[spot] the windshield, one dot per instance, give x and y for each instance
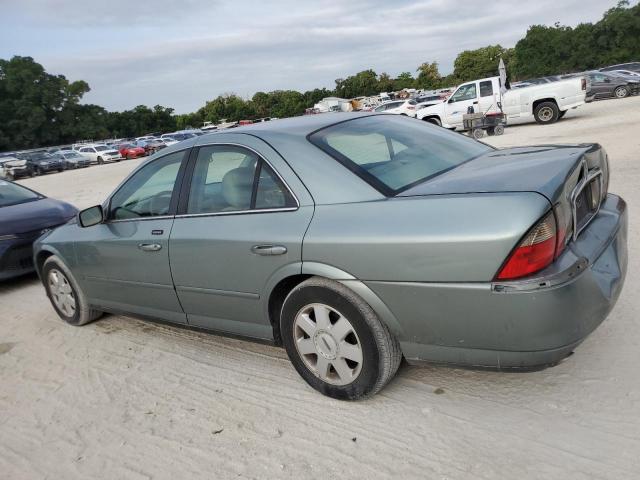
(71, 155)
(393, 153)
(12, 194)
(101, 148)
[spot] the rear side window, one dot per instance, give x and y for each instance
(393, 153)
(228, 178)
(486, 89)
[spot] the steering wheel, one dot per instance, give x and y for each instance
(160, 202)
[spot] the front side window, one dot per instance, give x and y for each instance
(148, 192)
(224, 180)
(465, 92)
(392, 153)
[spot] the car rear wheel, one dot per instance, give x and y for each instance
(546, 112)
(100, 161)
(336, 341)
(621, 92)
(65, 295)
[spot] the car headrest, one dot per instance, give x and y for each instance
(236, 187)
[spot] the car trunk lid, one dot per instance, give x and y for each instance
(574, 178)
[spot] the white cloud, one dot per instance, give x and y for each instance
(183, 53)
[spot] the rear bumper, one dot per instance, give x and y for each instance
(522, 324)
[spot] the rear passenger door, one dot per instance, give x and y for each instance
(242, 217)
(600, 86)
(487, 103)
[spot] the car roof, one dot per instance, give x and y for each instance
(299, 126)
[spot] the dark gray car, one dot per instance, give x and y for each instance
(604, 85)
(355, 240)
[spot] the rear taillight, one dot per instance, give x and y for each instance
(535, 252)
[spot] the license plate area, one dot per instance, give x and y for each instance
(586, 199)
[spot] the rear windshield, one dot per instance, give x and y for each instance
(12, 194)
(394, 153)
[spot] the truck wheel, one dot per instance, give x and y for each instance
(433, 120)
(336, 341)
(621, 92)
(491, 131)
(478, 133)
(546, 112)
(498, 130)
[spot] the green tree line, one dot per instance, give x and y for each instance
(38, 108)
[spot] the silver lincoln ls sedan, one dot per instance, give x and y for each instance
(355, 240)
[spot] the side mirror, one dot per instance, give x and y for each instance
(450, 100)
(91, 216)
(607, 80)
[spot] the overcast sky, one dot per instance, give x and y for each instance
(180, 53)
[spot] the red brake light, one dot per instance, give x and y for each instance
(535, 252)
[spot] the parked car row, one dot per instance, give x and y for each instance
(83, 154)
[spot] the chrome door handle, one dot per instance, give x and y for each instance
(269, 249)
(149, 247)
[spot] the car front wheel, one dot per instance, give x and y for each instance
(66, 296)
(336, 341)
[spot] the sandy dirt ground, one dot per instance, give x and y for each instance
(127, 399)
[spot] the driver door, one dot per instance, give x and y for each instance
(466, 96)
(124, 261)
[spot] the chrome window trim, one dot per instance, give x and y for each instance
(262, 157)
(238, 212)
(141, 219)
(586, 180)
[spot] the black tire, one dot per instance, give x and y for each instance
(477, 133)
(83, 313)
(491, 131)
(621, 92)
(498, 130)
(10, 177)
(562, 114)
(546, 113)
(381, 353)
(36, 172)
(434, 120)
(100, 161)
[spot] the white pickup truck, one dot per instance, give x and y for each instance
(545, 103)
